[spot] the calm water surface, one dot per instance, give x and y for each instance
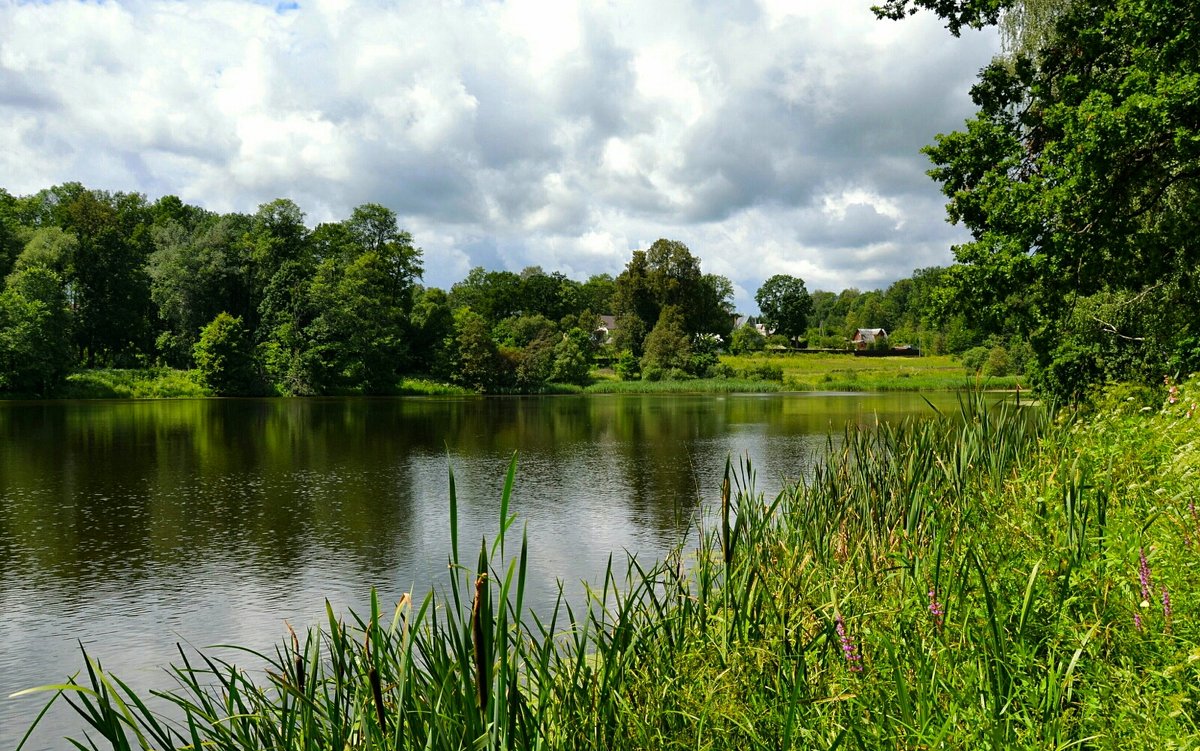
(134, 526)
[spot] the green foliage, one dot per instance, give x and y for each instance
(667, 345)
(785, 305)
(974, 359)
(1077, 179)
(35, 331)
(571, 362)
(667, 275)
(476, 359)
(143, 383)
(225, 358)
(747, 339)
(627, 367)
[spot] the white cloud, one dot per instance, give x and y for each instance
(771, 136)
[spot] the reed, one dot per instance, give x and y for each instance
(966, 581)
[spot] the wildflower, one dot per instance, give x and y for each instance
(849, 649)
(1144, 574)
(1137, 622)
(935, 609)
(1166, 603)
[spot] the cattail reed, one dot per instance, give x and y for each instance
(727, 541)
(481, 657)
(376, 686)
(297, 660)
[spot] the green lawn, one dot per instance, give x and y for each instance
(838, 372)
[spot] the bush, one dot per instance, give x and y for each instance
(764, 372)
(999, 363)
(627, 366)
(225, 358)
(747, 339)
(974, 359)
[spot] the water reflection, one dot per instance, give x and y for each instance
(133, 525)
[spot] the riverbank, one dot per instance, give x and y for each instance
(762, 373)
(1007, 582)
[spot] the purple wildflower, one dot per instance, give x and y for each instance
(849, 650)
(1137, 622)
(1166, 603)
(935, 609)
(1144, 574)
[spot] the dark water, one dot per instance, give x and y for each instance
(133, 526)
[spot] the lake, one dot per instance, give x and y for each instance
(131, 526)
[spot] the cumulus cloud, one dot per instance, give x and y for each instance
(770, 136)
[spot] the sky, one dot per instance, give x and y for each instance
(771, 137)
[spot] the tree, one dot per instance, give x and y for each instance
(957, 13)
(571, 361)
(667, 346)
(668, 275)
(476, 360)
(35, 333)
(431, 324)
(107, 279)
(282, 255)
(194, 275)
(225, 358)
(785, 305)
(1078, 180)
(747, 339)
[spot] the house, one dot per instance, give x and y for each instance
(603, 332)
(740, 321)
(867, 338)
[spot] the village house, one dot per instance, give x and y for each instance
(866, 338)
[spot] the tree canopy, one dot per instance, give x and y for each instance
(1078, 180)
(785, 305)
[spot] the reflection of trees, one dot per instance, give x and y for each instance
(95, 489)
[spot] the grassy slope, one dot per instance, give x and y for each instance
(948, 585)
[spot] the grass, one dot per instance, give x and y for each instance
(998, 578)
(696, 386)
(425, 387)
(147, 383)
(844, 372)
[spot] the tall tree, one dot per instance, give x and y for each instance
(785, 305)
(1078, 179)
(35, 332)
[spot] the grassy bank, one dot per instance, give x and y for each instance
(696, 386)
(990, 580)
(845, 372)
(146, 383)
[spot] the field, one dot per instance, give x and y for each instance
(844, 372)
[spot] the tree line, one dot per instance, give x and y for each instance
(261, 303)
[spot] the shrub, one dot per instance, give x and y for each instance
(627, 366)
(747, 339)
(974, 359)
(225, 358)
